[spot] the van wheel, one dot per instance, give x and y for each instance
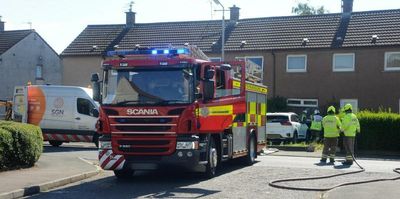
(295, 137)
(55, 143)
(252, 151)
(96, 140)
(212, 159)
(124, 174)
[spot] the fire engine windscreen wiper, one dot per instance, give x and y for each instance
(134, 102)
(170, 101)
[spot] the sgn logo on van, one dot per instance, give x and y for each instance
(142, 111)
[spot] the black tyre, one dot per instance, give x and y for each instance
(96, 140)
(252, 151)
(212, 159)
(124, 174)
(55, 143)
(295, 138)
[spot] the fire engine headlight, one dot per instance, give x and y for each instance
(105, 145)
(187, 145)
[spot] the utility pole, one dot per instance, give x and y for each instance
(223, 30)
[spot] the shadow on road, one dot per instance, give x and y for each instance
(155, 184)
(68, 148)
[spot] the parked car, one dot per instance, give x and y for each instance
(285, 127)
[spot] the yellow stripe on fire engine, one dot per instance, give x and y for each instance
(251, 87)
(253, 107)
(216, 110)
(263, 108)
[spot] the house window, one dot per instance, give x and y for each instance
(343, 62)
(302, 102)
(215, 59)
(353, 102)
(254, 68)
(296, 63)
(392, 61)
(39, 72)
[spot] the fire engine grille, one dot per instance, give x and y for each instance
(144, 135)
(143, 120)
(146, 146)
(143, 128)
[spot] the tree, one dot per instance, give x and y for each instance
(305, 9)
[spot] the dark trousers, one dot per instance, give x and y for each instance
(348, 143)
(329, 148)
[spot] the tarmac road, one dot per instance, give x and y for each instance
(234, 181)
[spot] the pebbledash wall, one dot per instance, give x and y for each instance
(30, 60)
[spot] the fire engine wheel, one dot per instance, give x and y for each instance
(212, 159)
(55, 143)
(252, 152)
(124, 174)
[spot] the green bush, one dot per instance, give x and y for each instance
(20, 145)
(379, 131)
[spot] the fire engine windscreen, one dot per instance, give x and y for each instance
(148, 86)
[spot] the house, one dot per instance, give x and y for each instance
(313, 61)
(26, 57)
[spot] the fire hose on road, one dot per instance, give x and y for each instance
(275, 184)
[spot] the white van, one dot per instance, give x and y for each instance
(64, 113)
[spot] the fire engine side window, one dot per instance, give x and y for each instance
(84, 106)
(221, 90)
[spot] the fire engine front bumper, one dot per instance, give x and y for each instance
(188, 159)
(190, 153)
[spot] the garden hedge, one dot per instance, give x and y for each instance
(20, 145)
(379, 131)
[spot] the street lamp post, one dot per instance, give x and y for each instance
(223, 30)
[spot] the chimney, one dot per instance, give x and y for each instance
(347, 6)
(1, 25)
(130, 17)
(234, 13)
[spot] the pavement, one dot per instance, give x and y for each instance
(53, 171)
(49, 172)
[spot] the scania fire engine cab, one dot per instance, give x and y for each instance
(173, 108)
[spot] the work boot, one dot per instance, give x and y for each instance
(322, 161)
(331, 161)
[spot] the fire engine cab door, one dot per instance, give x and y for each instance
(85, 122)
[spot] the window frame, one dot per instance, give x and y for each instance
(386, 59)
(39, 66)
(296, 70)
(352, 69)
(302, 104)
(219, 59)
(343, 102)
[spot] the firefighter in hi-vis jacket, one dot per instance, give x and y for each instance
(331, 125)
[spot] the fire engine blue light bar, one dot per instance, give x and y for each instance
(148, 52)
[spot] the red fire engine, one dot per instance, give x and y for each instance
(172, 107)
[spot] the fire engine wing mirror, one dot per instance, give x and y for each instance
(209, 74)
(208, 90)
(225, 67)
(96, 87)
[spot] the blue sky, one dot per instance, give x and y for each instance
(61, 21)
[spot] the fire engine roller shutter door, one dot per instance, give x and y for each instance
(261, 117)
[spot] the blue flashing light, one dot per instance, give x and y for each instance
(181, 51)
(148, 51)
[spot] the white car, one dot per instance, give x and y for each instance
(285, 127)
